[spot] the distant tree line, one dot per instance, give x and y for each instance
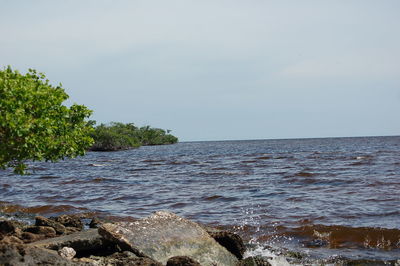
(119, 136)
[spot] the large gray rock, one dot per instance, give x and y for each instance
(164, 235)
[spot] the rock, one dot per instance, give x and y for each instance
(143, 262)
(67, 252)
(70, 230)
(69, 221)
(95, 223)
(42, 230)
(28, 237)
(7, 227)
(10, 227)
(21, 255)
(164, 235)
(124, 258)
(80, 241)
(231, 241)
(182, 261)
(8, 240)
(42, 221)
(254, 261)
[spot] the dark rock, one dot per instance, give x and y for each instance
(143, 262)
(21, 255)
(122, 259)
(231, 241)
(80, 241)
(316, 243)
(42, 230)
(164, 235)
(42, 221)
(10, 227)
(69, 221)
(254, 261)
(182, 261)
(95, 223)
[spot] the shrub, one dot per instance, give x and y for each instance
(34, 123)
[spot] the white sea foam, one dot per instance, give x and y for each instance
(273, 259)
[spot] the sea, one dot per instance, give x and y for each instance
(294, 201)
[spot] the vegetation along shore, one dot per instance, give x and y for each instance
(36, 125)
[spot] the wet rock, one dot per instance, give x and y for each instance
(69, 221)
(182, 261)
(315, 243)
(80, 241)
(164, 235)
(42, 230)
(43, 221)
(254, 261)
(28, 237)
(95, 223)
(10, 227)
(67, 252)
(231, 241)
(21, 255)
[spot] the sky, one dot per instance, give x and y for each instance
(218, 69)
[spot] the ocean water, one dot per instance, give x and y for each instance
(319, 199)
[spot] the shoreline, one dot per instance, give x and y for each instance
(94, 243)
(24, 230)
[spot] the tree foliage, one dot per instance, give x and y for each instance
(120, 136)
(34, 123)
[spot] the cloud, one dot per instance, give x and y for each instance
(217, 60)
(373, 65)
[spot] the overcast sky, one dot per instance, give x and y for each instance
(216, 69)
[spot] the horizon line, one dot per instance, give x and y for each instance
(291, 138)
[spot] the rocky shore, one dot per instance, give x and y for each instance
(160, 239)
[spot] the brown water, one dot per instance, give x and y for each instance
(327, 198)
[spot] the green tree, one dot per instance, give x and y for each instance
(119, 136)
(115, 136)
(34, 123)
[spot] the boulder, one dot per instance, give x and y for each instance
(10, 227)
(95, 223)
(28, 237)
(164, 235)
(43, 221)
(69, 221)
(231, 241)
(42, 230)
